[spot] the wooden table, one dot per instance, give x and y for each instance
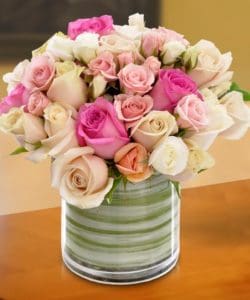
(214, 263)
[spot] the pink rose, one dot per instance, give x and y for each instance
(39, 73)
(37, 102)
(125, 58)
(16, 98)
(136, 79)
(153, 64)
(101, 25)
(132, 161)
(98, 127)
(192, 112)
(132, 108)
(151, 43)
(104, 64)
(170, 35)
(172, 85)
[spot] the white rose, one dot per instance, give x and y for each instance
(151, 128)
(240, 113)
(198, 160)
(209, 96)
(27, 127)
(117, 44)
(212, 66)
(85, 47)
(60, 127)
(137, 20)
(219, 121)
(222, 88)
(14, 78)
(60, 47)
(171, 50)
(170, 156)
(81, 177)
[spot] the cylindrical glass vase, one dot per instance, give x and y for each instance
(133, 239)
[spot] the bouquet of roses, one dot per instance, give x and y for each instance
(108, 103)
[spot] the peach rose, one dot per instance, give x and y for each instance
(136, 79)
(132, 161)
(130, 108)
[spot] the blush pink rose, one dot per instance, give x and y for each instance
(169, 35)
(101, 25)
(39, 73)
(151, 43)
(131, 108)
(104, 64)
(192, 113)
(37, 102)
(136, 79)
(125, 58)
(98, 127)
(132, 161)
(16, 98)
(171, 86)
(153, 64)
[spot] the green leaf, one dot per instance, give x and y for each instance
(18, 151)
(109, 196)
(234, 87)
(181, 132)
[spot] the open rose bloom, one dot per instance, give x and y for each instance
(107, 103)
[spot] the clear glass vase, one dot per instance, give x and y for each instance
(131, 240)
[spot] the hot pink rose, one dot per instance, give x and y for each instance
(39, 73)
(136, 79)
(16, 98)
(125, 58)
(192, 112)
(105, 65)
(101, 25)
(151, 43)
(98, 127)
(132, 108)
(172, 85)
(170, 35)
(153, 64)
(37, 102)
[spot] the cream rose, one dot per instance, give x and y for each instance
(69, 88)
(151, 128)
(240, 113)
(14, 78)
(60, 47)
(212, 66)
(27, 127)
(169, 156)
(137, 20)
(85, 46)
(198, 160)
(81, 177)
(118, 44)
(98, 86)
(60, 127)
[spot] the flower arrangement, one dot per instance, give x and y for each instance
(108, 103)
